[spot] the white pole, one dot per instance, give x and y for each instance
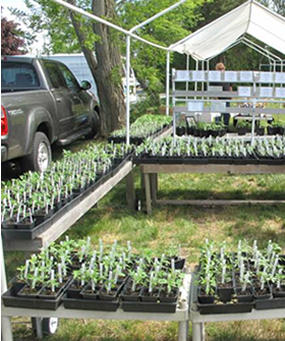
(187, 68)
(6, 328)
(128, 41)
(107, 23)
(167, 81)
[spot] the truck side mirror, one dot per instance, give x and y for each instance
(85, 85)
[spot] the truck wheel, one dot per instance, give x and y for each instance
(50, 325)
(95, 125)
(40, 157)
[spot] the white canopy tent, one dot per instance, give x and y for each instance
(250, 18)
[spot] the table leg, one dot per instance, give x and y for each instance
(39, 327)
(6, 329)
(130, 191)
(153, 186)
(198, 332)
(147, 193)
(183, 331)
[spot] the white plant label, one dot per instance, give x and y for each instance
(280, 92)
(266, 92)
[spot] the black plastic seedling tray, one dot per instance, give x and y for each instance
(10, 299)
(149, 307)
(84, 304)
(233, 308)
(273, 303)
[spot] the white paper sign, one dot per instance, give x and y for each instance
(215, 76)
(198, 76)
(280, 92)
(246, 76)
(230, 76)
(195, 106)
(280, 77)
(244, 91)
(182, 76)
(218, 107)
(266, 92)
(265, 77)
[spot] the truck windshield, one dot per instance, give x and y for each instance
(18, 76)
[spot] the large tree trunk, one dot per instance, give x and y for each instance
(104, 67)
(108, 72)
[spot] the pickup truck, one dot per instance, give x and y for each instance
(42, 104)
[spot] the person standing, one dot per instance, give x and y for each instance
(226, 87)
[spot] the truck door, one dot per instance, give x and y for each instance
(64, 102)
(81, 99)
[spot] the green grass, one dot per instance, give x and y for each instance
(188, 226)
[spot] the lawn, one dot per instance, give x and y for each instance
(188, 226)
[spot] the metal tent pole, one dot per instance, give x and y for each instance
(128, 42)
(167, 81)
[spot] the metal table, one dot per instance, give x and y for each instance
(181, 315)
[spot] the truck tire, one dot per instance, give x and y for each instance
(95, 125)
(40, 157)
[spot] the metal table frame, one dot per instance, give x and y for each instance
(150, 179)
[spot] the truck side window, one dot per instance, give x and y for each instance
(54, 75)
(18, 75)
(70, 80)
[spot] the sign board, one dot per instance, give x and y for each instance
(280, 77)
(246, 76)
(198, 76)
(182, 76)
(244, 91)
(218, 107)
(265, 92)
(230, 76)
(215, 76)
(265, 77)
(280, 92)
(195, 106)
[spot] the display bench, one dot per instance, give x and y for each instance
(150, 175)
(263, 91)
(198, 320)
(67, 220)
(181, 315)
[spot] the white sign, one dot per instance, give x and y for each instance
(246, 76)
(280, 92)
(280, 77)
(215, 76)
(265, 77)
(230, 76)
(218, 107)
(182, 76)
(195, 106)
(265, 92)
(198, 76)
(244, 91)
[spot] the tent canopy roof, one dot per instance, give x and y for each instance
(250, 18)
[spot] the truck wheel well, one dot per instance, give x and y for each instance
(43, 127)
(97, 109)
